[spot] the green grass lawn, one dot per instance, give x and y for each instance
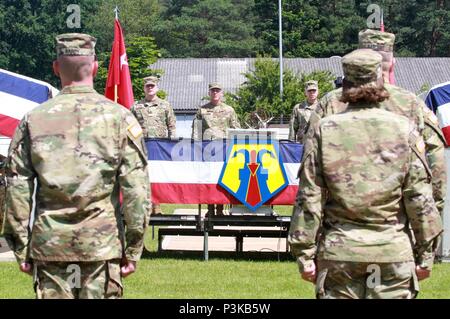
(217, 278)
(170, 275)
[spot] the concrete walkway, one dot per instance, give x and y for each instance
(195, 243)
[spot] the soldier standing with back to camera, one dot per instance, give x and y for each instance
(400, 102)
(371, 166)
(80, 150)
(211, 122)
(156, 118)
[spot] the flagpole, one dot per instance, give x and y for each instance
(280, 45)
(116, 11)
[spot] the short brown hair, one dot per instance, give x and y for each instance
(372, 93)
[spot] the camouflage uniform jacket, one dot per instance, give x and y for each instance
(156, 118)
(211, 122)
(300, 120)
(80, 149)
(373, 170)
(407, 104)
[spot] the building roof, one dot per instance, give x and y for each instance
(186, 80)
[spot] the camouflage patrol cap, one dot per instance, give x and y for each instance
(311, 85)
(75, 44)
(151, 80)
(215, 85)
(376, 40)
(362, 66)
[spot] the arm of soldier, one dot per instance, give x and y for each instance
(321, 106)
(435, 154)
(293, 124)
(171, 122)
(234, 121)
(135, 186)
(133, 109)
(307, 215)
(197, 126)
(20, 179)
(419, 204)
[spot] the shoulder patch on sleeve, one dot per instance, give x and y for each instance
(420, 145)
(135, 130)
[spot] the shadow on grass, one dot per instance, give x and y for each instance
(198, 255)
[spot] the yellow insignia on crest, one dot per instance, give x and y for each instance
(135, 130)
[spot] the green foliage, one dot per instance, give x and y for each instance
(422, 27)
(215, 28)
(424, 89)
(260, 94)
(27, 32)
(137, 18)
(207, 28)
(310, 28)
(141, 52)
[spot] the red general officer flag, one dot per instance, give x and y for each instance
(118, 85)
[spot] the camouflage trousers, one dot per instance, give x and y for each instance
(353, 280)
(78, 280)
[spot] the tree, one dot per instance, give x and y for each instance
(137, 17)
(311, 28)
(27, 34)
(260, 93)
(141, 52)
(207, 28)
(422, 27)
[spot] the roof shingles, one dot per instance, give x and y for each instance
(186, 80)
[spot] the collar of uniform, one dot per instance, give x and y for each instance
(155, 101)
(363, 105)
(310, 106)
(77, 89)
(211, 106)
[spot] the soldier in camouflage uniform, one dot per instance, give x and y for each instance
(372, 168)
(2, 190)
(80, 149)
(211, 122)
(302, 112)
(156, 118)
(400, 102)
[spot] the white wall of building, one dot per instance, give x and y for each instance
(184, 125)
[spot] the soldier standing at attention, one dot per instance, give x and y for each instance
(372, 167)
(302, 112)
(400, 102)
(211, 122)
(156, 118)
(79, 149)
